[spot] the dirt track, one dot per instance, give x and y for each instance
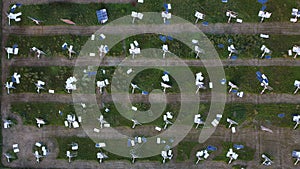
(171, 98)
(115, 61)
(218, 28)
(279, 144)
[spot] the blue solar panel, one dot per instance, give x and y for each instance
(13, 79)
(91, 74)
(14, 7)
(170, 38)
(282, 115)
(144, 139)
(258, 76)
(144, 93)
(211, 148)
(223, 81)
(162, 38)
(262, 1)
(102, 15)
(166, 7)
(238, 147)
(205, 23)
(12, 10)
(106, 48)
(128, 143)
(234, 57)
(64, 46)
(263, 8)
(294, 154)
(234, 91)
(220, 45)
(268, 57)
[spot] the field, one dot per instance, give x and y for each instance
(55, 78)
(248, 46)
(214, 11)
(245, 154)
(24, 105)
(149, 79)
(51, 45)
(88, 151)
(184, 150)
(46, 111)
(241, 113)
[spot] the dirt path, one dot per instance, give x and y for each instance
(171, 98)
(115, 61)
(218, 28)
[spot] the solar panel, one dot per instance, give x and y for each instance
(145, 93)
(262, 1)
(282, 115)
(205, 23)
(238, 147)
(234, 57)
(102, 16)
(170, 38)
(162, 38)
(263, 8)
(258, 76)
(220, 45)
(211, 148)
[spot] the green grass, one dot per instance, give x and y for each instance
(147, 41)
(51, 45)
(116, 119)
(265, 113)
(245, 154)
(269, 114)
(280, 44)
(184, 150)
(54, 77)
(237, 112)
(281, 79)
(248, 46)
(214, 10)
(47, 111)
(247, 10)
(150, 79)
(81, 14)
(13, 154)
(87, 150)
